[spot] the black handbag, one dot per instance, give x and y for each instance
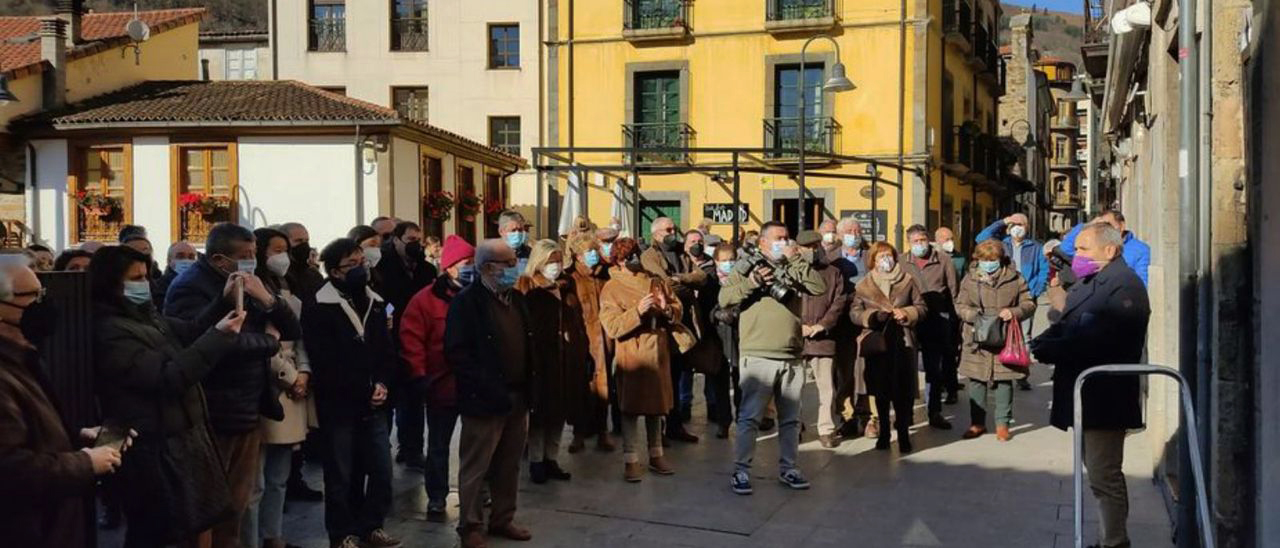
(988, 330)
(190, 488)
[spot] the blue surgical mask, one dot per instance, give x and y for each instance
(591, 258)
(1018, 231)
(607, 249)
(466, 275)
(181, 265)
(725, 266)
(989, 266)
(920, 250)
(516, 239)
(775, 250)
(138, 293)
(509, 276)
(850, 240)
(246, 265)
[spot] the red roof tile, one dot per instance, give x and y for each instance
(20, 47)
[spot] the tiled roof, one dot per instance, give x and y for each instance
(231, 103)
(20, 46)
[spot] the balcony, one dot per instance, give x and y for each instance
(996, 73)
(957, 23)
(783, 135)
(799, 15)
(658, 135)
(645, 20)
(328, 34)
(983, 54)
(957, 151)
(409, 34)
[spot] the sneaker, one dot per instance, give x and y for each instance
(740, 483)
(794, 479)
(380, 539)
(436, 507)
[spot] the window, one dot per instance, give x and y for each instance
(493, 204)
(466, 184)
(102, 192)
(504, 46)
(410, 102)
(340, 90)
(504, 133)
(409, 25)
(432, 171)
(206, 189)
(787, 86)
(242, 63)
(327, 26)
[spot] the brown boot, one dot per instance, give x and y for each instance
(605, 443)
(511, 531)
(632, 472)
(660, 467)
(1002, 432)
(974, 431)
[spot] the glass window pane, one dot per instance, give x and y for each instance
(219, 158)
(196, 180)
(221, 183)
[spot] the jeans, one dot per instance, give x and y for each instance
(441, 423)
(978, 403)
(1104, 461)
(934, 378)
(489, 451)
(631, 433)
(760, 377)
(355, 448)
(262, 520)
(824, 375)
(410, 419)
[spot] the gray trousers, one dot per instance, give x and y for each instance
(1104, 462)
(758, 379)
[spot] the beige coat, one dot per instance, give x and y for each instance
(642, 358)
(981, 294)
(299, 414)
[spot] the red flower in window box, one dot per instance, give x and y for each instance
(97, 205)
(195, 202)
(438, 205)
(469, 205)
(493, 205)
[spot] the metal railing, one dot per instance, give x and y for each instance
(663, 135)
(1189, 425)
(654, 14)
(328, 34)
(783, 134)
(959, 148)
(957, 17)
(409, 34)
(791, 10)
(983, 47)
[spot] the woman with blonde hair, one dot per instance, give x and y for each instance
(992, 288)
(887, 304)
(560, 337)
(589, 272)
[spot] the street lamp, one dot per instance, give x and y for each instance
(1077, 92)
(836, 83)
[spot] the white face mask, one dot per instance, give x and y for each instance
(885, 264)
(372, 255)
(1018, 231)
(551, 271)
(278, 264)
(850, 240)
(828, 237)
(949, 246)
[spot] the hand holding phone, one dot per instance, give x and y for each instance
(238, 294)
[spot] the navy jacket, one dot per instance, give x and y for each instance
(239, 389)
(349, 352)
(471, 347)
(1104, 322)
(1035, 268)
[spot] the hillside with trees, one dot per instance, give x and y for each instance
(1057, 34)
(223, 15)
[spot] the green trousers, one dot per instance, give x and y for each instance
(978, 402)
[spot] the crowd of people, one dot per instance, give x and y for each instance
(213, 373)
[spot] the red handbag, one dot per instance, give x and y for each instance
(1015, 352)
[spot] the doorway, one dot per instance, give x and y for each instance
(786, 212)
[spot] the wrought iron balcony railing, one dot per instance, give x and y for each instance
(783, 135)
(328, 34)
(957, 18)
(671, 138)
(795, 10)
(409, 34)
(983, 48)
(655, 15)
(959, 148)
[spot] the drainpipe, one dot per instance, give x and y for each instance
(1189, 349)
(1204, 252)
(275, 36)
(902, 113)
(35, 191)
(359, 179)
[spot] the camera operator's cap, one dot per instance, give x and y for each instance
(808, 238)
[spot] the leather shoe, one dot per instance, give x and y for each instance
(680, 434)
(973, 432)
(474, 539)
(828, 441)
(1002, 433)
(632, 472)
(511, 531)
(660, 467)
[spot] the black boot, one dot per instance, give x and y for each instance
(904, 441)
(555, 472)
(538, 472)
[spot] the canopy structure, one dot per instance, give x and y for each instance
(553, 160)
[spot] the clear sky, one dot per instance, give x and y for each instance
(1072, 6)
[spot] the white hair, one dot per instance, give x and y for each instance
(653, 228)
(847, 222)
(9, 262)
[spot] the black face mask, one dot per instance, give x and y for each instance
(39, 319)
(696, 250)
(633, 263)
(415, 251)
(672, 242)
(300, 254)
(354, 282)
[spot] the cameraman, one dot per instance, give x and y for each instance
(770, 341)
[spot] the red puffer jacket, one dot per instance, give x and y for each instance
(422, 342)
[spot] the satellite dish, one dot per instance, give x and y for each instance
(137, 30)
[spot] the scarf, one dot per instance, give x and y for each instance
(886, 280)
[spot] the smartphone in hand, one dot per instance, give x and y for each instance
(113, 436)
(239, 295)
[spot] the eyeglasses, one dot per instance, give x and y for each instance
(38, 294)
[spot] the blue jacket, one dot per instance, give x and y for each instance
(1035, 269)
(1136, 252)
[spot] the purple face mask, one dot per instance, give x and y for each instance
(1084, 267)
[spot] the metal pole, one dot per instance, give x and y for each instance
(737, 204)
(1188, 256)
(902, 113)
(803, 105)
(875, 190)
(1204, 346)
(540, 210)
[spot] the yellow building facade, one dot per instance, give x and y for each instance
(726, 73)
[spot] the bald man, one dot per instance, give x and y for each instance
(487, 343)
(946, 241)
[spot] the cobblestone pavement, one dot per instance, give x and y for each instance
(949, 492)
